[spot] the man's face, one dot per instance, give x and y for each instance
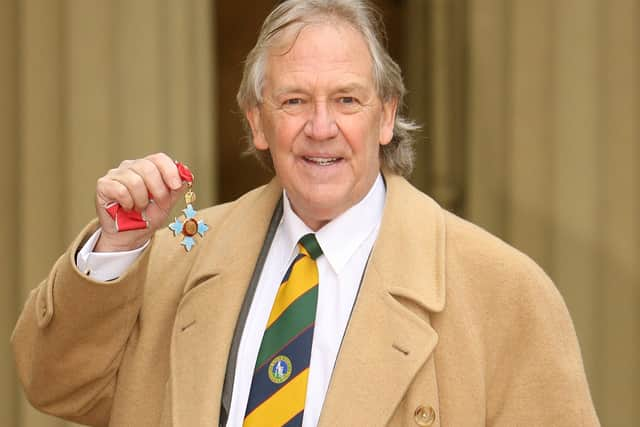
(322, 120)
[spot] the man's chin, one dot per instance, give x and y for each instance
(316, 212)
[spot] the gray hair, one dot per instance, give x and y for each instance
(398, 155)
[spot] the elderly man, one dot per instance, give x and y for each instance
(336, 295)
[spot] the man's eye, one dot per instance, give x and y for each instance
(348, 104)
(293, 102)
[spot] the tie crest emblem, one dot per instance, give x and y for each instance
(280, 369)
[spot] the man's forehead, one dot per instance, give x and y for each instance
(280, 81)
(297, 42)
(319, 50)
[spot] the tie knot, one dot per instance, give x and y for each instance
(309, 242)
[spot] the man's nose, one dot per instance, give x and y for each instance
(321, 124)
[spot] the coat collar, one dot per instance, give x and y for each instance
(410, 249)
(404, 281)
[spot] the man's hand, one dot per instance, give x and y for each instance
(132, 185)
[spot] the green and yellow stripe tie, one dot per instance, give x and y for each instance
(279, 385)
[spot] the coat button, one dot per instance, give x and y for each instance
(424, 416)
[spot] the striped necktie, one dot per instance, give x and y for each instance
(279, 384)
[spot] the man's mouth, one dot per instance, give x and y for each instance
(322, 161)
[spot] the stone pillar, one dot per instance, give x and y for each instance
(87, 84)
(10, 217)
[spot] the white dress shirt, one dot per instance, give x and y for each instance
(346, 243)
(105, 266)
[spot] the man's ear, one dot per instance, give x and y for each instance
(255, 122)
(388, 120)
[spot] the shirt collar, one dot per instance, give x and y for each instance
(340, 238)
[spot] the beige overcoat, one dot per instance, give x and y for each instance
(451, 327)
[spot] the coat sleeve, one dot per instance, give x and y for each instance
(70, 338)
(507, 345)
(535, 372)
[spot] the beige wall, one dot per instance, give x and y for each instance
(530, 111)
(86, 84)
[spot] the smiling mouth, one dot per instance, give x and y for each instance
(322, 161)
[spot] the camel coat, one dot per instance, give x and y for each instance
(451, 327)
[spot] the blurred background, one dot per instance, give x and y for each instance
(530, 113)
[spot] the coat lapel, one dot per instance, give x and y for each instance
(389, 337)
(207, 314)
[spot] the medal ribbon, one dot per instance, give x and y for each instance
(133, 220)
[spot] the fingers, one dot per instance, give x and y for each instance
(110, 190)
(167, 169)
(133, 182)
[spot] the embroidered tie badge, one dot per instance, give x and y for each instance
(188, 228)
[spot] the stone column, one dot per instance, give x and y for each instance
(10, 217)
(87, 84)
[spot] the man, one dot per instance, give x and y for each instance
(417, 317)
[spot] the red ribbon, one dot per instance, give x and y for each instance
(184, 172)
(132, 220)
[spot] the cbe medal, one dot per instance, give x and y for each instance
(191, 225)
(132, 220)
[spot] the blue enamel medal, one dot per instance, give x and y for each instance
(191, 225)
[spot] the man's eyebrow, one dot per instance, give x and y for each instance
(288, 89)
(349, 87)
